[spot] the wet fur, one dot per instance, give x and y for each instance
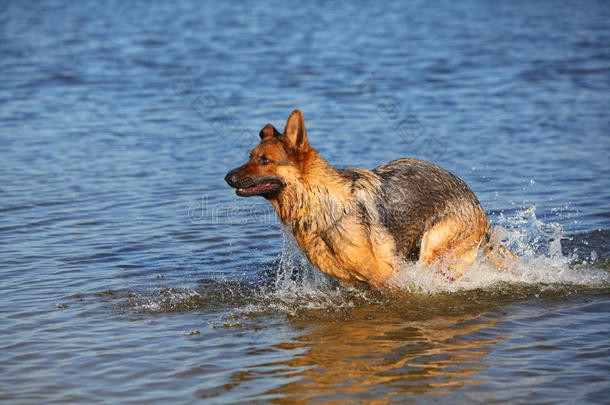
(359, 224)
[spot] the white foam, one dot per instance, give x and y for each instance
(163, 300)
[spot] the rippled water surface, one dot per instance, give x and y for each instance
(131, 272)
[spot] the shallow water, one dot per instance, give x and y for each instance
(131, 272)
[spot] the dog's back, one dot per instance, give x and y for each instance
(416, 195)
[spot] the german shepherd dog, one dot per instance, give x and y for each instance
(360, 225)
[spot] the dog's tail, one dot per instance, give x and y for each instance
(497, 253)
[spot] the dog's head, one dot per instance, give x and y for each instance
(276, 161)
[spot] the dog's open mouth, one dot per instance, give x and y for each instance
(265, 188)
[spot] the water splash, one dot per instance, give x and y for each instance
(292, 286)
(166, 300)
(541, 261)
(300, 286)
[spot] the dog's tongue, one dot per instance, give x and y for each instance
(258, 189)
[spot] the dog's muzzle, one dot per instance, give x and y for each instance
(248, 187)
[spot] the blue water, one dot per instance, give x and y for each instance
(132, 273)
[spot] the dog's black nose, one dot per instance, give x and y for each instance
(230, 178)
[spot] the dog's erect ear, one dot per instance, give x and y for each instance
(294, 134)
(269, 132)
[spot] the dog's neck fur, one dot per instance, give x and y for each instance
(314, 206)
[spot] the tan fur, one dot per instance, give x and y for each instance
(320, 210)
(454, 244)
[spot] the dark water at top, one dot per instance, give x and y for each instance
(132, 273)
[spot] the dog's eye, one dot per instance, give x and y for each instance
(265, 160)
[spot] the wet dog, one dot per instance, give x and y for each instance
(358, 224)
